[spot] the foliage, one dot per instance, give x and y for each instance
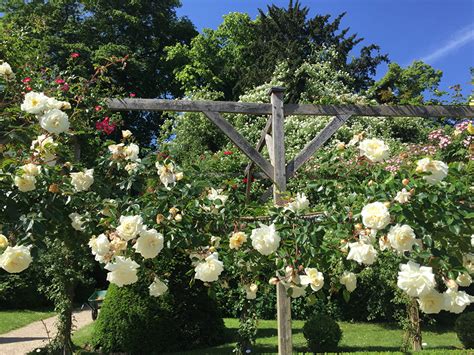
(322, 334)
(464, 327)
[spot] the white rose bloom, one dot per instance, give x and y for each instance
(100, 245)
(210, 269)
(313, 277)
(401, 237)
(123, 271)
(52, 103)
(349, 279)
(3, 241)
(437, 168)
(237, 239)
(45, 147)
(157, 288)
(6, 71)
(130, 227)
(464, 279)
(298, 291)
(375, 215)
(131, 152)
(468, 262)
(126, 134)
(77, 221)
(217, 195)
(431, 303)
(82, 180)
(25, 183)
(15, 259)
(456, 301)
(35, 103)
(31, 169)
(416, 281)
(384, 243)
(265, 239)
(374, 149)
(472, 240)
(166, 173)
(403, 196)
(131, 168)
(149, 244)
(251, 291)
(362, 253)
(116, 149)
(299, 204)
(55, 121)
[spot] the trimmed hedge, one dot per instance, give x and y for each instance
(322, 334)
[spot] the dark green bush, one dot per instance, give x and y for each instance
(322, 333)
(184, 318)
(464, 327)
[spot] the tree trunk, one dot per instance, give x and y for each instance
(415, 329)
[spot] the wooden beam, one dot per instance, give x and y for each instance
(310, 148)
(254, 108)
(260, 143)
(240, 142)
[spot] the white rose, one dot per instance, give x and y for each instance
(437, 168)
(237, 239)
(265, 239)
(129, 227)
(82, 180)
(349, 279)
(416, 281)
(401, 237)
(251, 291)
(6, 71)
(149, 244)
(3, 241)
(116, 149)
(468, 262)
(210, 269)
(31, 169)
(374, 149)
(384, 243)
(52, 103)
(313, 277)
(375, 215)
(15, 259)
(123, 271)
(403, 196)
(166, 173)
(157, 288)
(299, 204)
(464, 279)
(100, 246)
(34, 103)
(54, 121)
(131, 168)
(126, 134)
(297, 291)
(45, 147)
(456, 301)
(77, 221)
(472, 240)
(131, 151)
(362, 253)
(431, 303)
(25, 183)
(217, 195)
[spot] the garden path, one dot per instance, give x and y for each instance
(35, 335)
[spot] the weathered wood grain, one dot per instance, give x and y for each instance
(241, 142)
(253, 108)
(261, 142)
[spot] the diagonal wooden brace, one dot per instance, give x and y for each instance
(240, 142)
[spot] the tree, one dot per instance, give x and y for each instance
(243, 53)
(95, 30)
(405, 86)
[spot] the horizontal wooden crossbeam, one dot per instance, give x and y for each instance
(253, 108)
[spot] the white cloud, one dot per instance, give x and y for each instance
(461, 38)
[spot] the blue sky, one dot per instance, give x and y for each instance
(440, 32)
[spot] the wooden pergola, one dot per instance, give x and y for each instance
(277, 169)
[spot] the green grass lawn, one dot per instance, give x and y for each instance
(357, 337)
(14, 319)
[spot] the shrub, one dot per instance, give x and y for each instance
(322, 333)
(184, 318)
(464, 327)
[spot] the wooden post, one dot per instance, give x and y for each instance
(285, 344)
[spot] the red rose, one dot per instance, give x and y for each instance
(74, 55)
(227, 152)
(59, 81)
(26, 80)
